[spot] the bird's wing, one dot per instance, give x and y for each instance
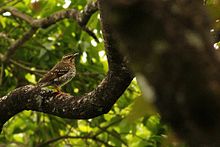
(57, 71)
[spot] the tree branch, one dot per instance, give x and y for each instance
(11, 50)
(168, 45)
(80, 18)
(84, 17)
(92, 104)
(113, 134)
(9, 1)
(74, 137)
(5, 36)
(18, 14)
(38, 72)
(89, 9)
(91, 135)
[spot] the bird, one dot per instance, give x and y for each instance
(61, 73)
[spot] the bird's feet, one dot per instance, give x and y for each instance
(59, 92)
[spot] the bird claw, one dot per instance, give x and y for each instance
(60, 93)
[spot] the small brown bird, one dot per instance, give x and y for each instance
(61, 73)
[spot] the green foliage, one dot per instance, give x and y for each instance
(42, 51)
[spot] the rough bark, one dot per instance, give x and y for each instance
(89, 105)
(168, 43)
(92, 104)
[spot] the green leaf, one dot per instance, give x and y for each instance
(31, 78)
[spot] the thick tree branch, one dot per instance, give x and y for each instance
(168, 44)
(89, 105)
(92, 104)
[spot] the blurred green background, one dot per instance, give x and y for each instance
(131, 121)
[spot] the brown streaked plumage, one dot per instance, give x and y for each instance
(61, 73)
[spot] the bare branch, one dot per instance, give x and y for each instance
(97, 102)
(53, 18)
(113, 134)
(74, 137)
(9, 1)
(5, 36)
(88, 136)
(91, 33)
(84, 17)
(11, 50)
(22, 66)
(88, 11)
(1, 73)
(18, 14)
(80, 18)
(107, 126)
(38, 72)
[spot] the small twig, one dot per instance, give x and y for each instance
(111, 124)
(84, 17)
(16, 2)
(27, 68)
(93, 74)
(88, 11)
(38, 72)
(5, 3)
(2, 73)
(73, 137)
(18, 14)
(94, 137)
(87, 30)
(80, 18)
(114, 135)
(5, 36)
(18, 43)
(9, 1)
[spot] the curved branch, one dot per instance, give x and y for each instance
(74, 137)
(89, 9)
(92, 104)
(168, 44)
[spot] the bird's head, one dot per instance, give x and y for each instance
(70, 58)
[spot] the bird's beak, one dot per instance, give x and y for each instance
(76, 54)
